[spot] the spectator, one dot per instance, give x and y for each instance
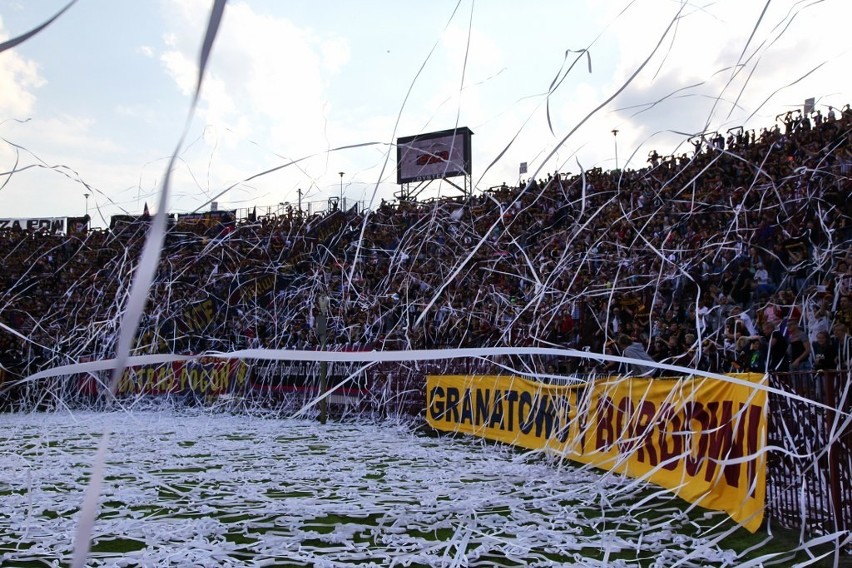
(818, 316)
(800, 359)
(751, 355)
(743, 286)
(712, 359)
(843, 315)
(824, 353)
(843, 346)
(634, 350)
(800, 348)
(742, 319)
(775, 343)
(763, 284)
(525, 256)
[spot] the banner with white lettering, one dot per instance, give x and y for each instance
(52, 225)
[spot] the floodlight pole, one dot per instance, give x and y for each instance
(322, 331)
(615, 139)
(341, 191)
(86, 195)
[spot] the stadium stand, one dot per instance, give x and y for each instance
(697, 257)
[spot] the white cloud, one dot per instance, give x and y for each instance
(145, 50)
(19, 77)
(182, 69)
(265, 71)
(265, 90)
(696, 64)
(335, 53)
(277, 88)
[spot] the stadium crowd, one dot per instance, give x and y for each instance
(733, 256)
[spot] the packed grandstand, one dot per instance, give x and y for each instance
(735, 256)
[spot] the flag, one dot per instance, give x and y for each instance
(145, 212)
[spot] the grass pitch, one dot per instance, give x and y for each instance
(197, 489)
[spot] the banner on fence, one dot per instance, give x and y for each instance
(200, 377)
(77, 226)
(207, 220)
(52, 225)
(702, 438)
(347, 379)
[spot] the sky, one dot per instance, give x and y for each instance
(96, 103)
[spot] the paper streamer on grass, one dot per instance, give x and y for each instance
(487, 280)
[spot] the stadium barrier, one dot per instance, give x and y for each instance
(809, 480)
(702, 438)
(808, 466)
(809, 462)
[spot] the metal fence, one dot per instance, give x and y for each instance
(809, 462)
(809, 458)
(809, 466)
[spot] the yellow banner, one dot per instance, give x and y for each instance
(702, 438)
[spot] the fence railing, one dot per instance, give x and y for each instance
(809, 478)
(809, 465)
(809, 461)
